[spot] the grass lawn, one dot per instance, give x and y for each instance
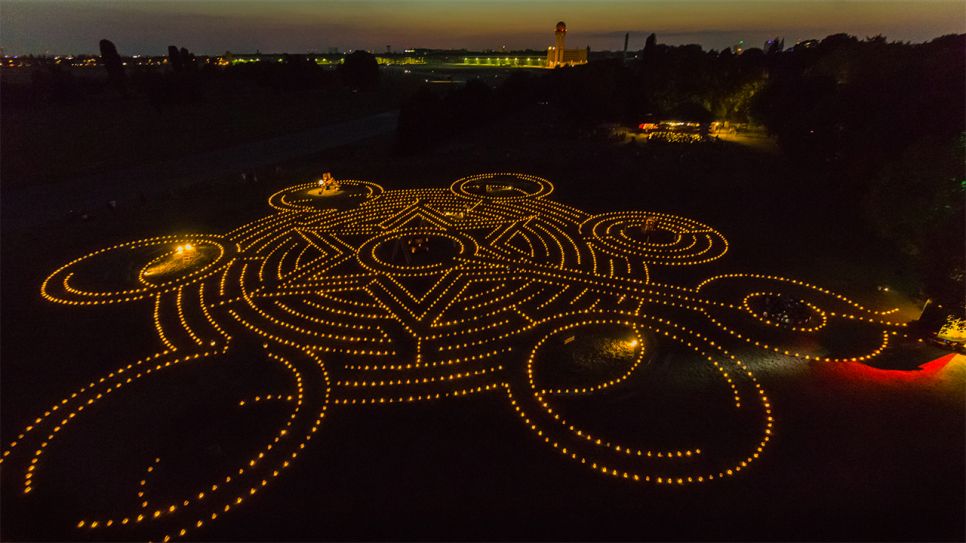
(857, 454)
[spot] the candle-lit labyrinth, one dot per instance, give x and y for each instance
(356, 297)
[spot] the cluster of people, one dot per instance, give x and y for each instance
(328, 182)
(675, 137)
(418, 245)
(496, 188)
(785, 311)
(649, 228)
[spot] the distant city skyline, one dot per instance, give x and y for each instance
(214, 26)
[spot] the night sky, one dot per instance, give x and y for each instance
(211, 27)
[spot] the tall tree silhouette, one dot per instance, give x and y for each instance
(114, 65)
(188, 60)
(174, 59)
(359, 70)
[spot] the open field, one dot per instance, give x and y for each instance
(103, 132)
(854, 451)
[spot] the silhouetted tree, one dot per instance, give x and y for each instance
(916, 201)
(183, 84)
(174, 59)
(837, 41)
(359, 70)
(774, 46)
(114, 65)
(188, 60)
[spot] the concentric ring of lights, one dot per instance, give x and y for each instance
(59, 287)
(544, 187)
(297, 198)
(746, 305)
(694, 242)
(368, 259)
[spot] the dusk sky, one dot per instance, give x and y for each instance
(209, 27)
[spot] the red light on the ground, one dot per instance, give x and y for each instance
(926, 370)
(935, 366)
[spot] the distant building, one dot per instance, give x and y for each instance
(558, 54)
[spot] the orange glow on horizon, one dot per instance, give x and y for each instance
(214, 27)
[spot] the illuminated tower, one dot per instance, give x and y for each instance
(558, 55)
(560, 44)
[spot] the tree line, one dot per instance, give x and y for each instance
(184, 79)
(881, 123)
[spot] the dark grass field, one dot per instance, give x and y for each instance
(102, 132)
(857, 454)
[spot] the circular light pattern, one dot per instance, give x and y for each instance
(675, 241)
(415, 251)
(838, 315)
(502, 186)
(647, 465)
(312, 197)
(178, 262)
(156, 265)
(626, 352)
(369, 297)
(816, 319)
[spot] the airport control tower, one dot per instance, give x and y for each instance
(558, 55)
(560, 43)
